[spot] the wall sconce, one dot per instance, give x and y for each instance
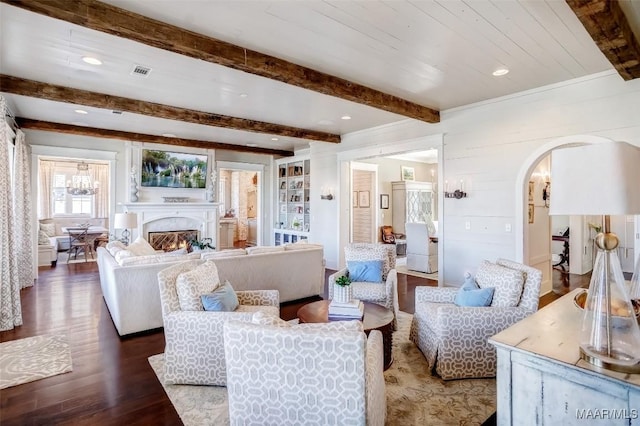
(457, 194)
(326, 193)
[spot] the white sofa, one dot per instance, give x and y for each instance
(132, 294)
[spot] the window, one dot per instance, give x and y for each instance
(67, 204)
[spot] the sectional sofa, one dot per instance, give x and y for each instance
(131, 291)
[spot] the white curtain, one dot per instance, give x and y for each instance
(10, 308)
(100, 173)
(45, 175)
(22, 211)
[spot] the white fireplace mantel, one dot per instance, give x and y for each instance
(203, 216)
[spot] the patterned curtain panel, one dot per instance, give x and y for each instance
(100, 173)
(45, 178)
(10, 308)
(22, 209)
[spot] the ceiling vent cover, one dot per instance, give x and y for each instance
(141, 71)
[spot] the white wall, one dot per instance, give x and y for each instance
(488, 145)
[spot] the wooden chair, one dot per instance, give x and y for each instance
(79, 239)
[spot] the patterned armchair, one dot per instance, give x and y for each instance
(384, 293)
(454, 339)
(194, 351)
(310, 374)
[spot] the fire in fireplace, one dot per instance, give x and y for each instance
(172, 240)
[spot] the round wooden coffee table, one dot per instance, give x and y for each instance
(376, 317)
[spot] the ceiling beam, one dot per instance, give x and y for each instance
(48, 126)
(123, 23)
(607, 24)
(52, 92)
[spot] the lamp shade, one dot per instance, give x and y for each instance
(597, 179)
(125, 221)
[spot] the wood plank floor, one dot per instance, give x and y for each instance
(112, 382)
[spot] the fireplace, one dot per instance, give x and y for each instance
(172, 240)
(198, 219)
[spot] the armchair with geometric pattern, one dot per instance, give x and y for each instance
(383, 293)
(194, 351)
(454, 339)
(333, 376)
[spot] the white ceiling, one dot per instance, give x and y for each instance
(437, 54)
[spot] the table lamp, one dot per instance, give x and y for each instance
(125, 221)
(602, 179)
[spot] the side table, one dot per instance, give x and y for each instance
(375, 317)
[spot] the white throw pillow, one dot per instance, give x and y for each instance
(264, 249)
(193, 284)
(114, 247)
(140, 247)
(508, 283)
(120, 255)
(43, 239)
(49, 229)
(224, 253)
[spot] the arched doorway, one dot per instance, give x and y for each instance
(522, 189)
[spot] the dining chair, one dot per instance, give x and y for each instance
(79, 239)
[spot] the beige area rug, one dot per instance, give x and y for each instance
(33, 358)
(414, 397)
(63, 256)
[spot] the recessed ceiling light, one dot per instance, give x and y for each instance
(169, 135)
(91, 60)
(252, 145)
(500, 71)
(346, 117)
(80, 111)
(243, 95)
(274, 139)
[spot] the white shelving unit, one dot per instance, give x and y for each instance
(293, 217)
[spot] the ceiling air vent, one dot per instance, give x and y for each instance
(115, 111)
(141, 71)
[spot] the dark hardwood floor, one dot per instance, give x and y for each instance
(112, 382)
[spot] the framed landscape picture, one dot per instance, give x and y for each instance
(408, 173)
(167, 169)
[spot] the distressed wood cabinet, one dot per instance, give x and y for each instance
(542, 380)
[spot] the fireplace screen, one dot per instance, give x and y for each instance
(172, 240)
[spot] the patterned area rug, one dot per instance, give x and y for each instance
(33, 358)
(414, 397)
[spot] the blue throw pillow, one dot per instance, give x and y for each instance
(365, 270)
(472, 295)
(223, 299)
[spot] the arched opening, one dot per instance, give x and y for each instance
(522, 231)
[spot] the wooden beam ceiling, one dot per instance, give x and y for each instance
(52, 92)
(47, 126)
(122, 23)
(608, 26)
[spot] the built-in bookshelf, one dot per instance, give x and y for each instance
(293, 217)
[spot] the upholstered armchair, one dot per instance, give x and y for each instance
(385, 292)
(454, 339)
(194, 351)
(333, 377)
(422, 253)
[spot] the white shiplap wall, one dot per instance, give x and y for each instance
(490, 143)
